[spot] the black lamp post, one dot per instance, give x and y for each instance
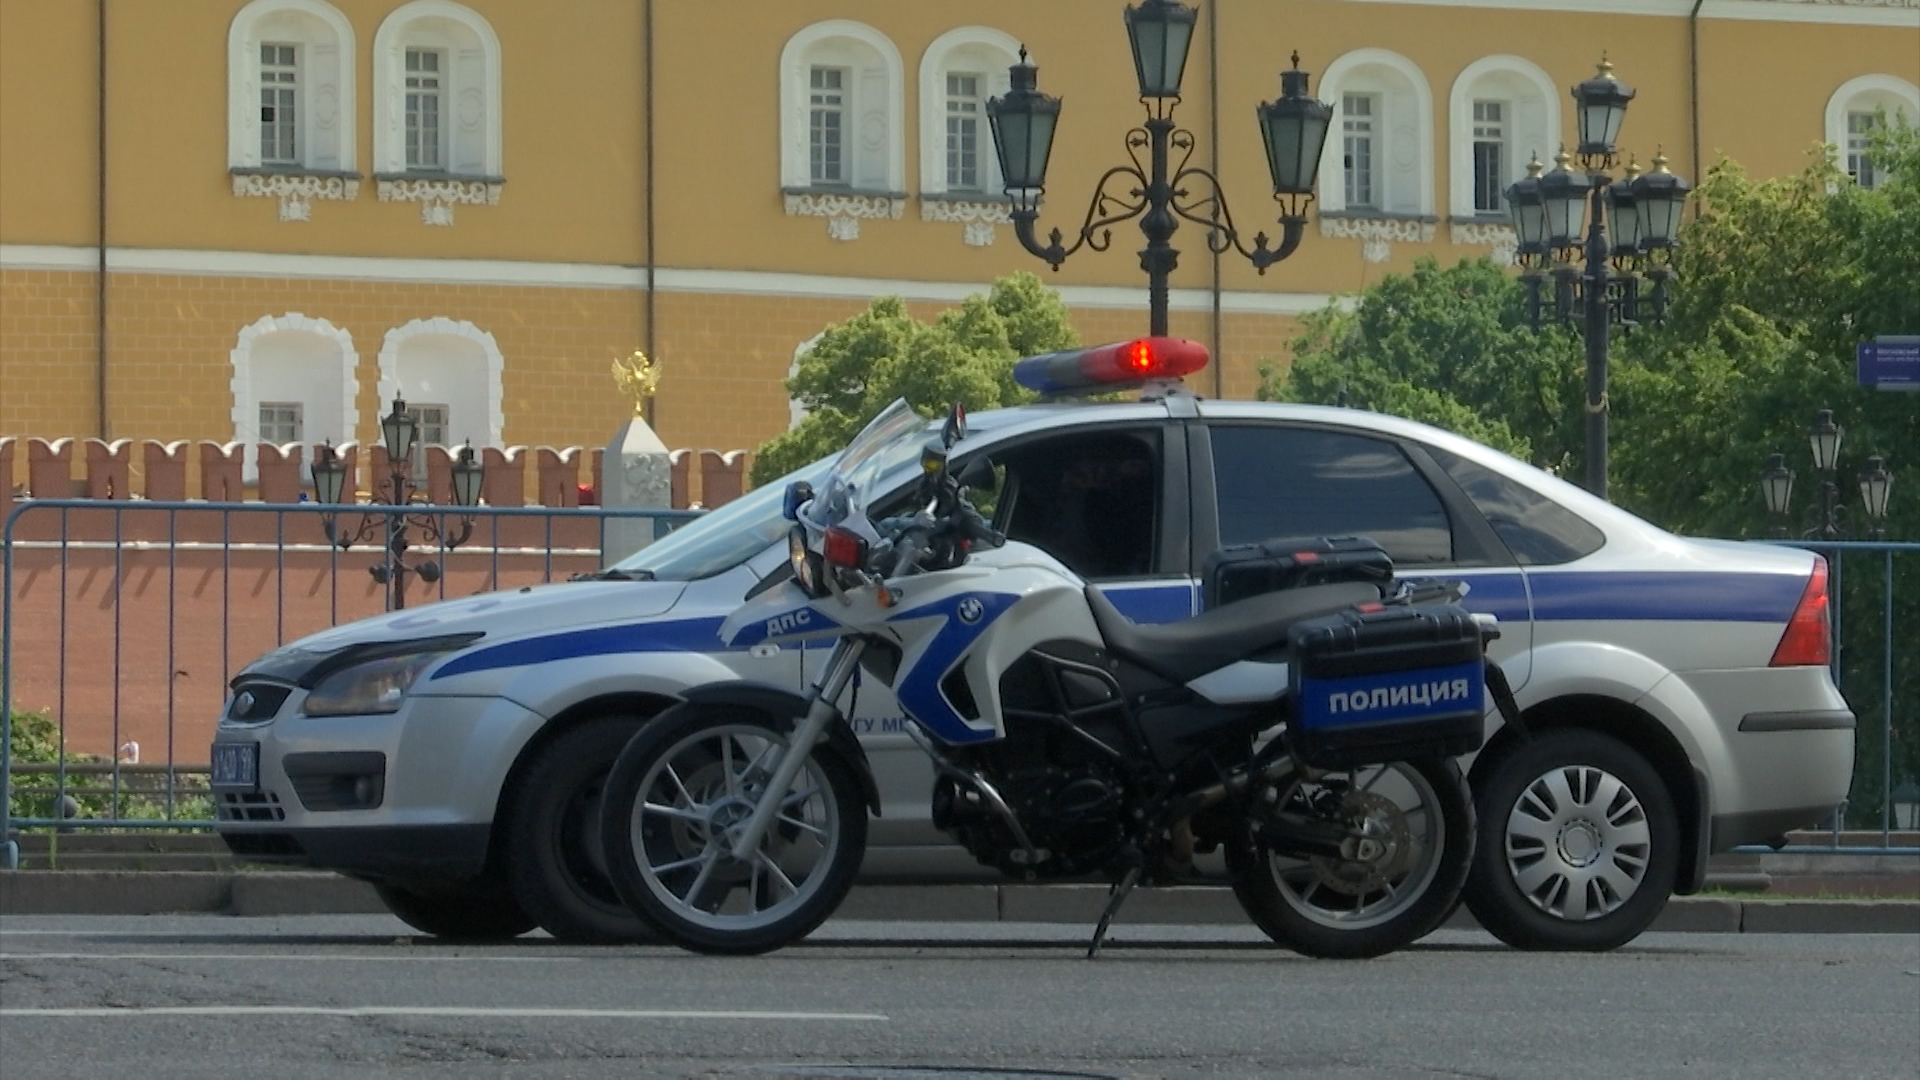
(398, 430)
(1594, 279)
(1828, 521)
(1155, 190)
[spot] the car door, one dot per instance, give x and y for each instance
(1110, 501)
(1261, 481)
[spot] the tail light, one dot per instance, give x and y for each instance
(1808, 641)
(844, 549)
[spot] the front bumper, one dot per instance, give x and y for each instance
(409, 796)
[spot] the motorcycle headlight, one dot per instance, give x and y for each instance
(806, 565)
(369, 688)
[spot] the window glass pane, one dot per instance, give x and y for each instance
(281, 423)
(1357, 134)
(826, 126)
(1090, 500)
(424, 88)
(1276, 482)
(279, 114)
(963, 132)
(1539, 531)
(1489, 156)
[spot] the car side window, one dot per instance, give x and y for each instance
(1539, 531)
(1089, 499)
(1271, 482)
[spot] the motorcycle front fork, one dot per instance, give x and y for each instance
(812, 728)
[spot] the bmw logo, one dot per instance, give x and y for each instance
(243, 704)
(970, 610)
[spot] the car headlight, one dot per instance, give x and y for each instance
(371, 687)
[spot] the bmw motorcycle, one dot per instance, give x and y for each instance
(1307, 733)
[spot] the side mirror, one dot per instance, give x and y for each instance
(978, 473)
(956, 428)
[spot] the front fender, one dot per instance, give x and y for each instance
(783, 704)
(552, 688)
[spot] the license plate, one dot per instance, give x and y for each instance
(236, 766)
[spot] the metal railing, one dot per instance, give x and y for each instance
(120, 619)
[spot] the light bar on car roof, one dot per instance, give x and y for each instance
(1111, 367)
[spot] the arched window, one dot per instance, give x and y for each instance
(1376, 180)
(290, 104)
(959, 171)
(294, 381)
(436, 130)
(842, 128)
(449, 371)
(1502, 112)
(1856, 109)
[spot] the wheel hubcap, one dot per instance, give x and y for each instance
(1578, 843)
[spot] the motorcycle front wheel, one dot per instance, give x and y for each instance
(684, 784)
(1409, 847)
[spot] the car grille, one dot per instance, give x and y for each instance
(256, 702)
(250, 806)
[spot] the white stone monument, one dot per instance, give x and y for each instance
(636, 472)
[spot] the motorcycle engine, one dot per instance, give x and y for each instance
(1068, 796)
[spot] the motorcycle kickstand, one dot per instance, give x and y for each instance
(1115, 898)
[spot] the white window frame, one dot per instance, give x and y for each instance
(471, 93)
(486, 430)
(838, 108)
(280, 91)
(424, 87)
(291, 413)
(1496, 133)
(875, 135)
(1865, 94)
(1533, 123)
(247, 389)
(324, 109)
(1359, 130)
(967, 50)
(967, 110)
(1403, 133)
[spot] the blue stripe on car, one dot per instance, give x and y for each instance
(1655, 596)
(677, 635)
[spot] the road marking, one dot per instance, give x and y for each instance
(228, 957)
(438, 1010)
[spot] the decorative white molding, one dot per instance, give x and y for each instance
(1491, 234)
(296, 192)
(1377, 234)
(473, 91)
(459, 328)
(1404, 130)
(278, 266)
(1870, 91)
(844, 210)
(438, 196)
(246, 397)
(978, 217)
(875, 103)
(978, 50)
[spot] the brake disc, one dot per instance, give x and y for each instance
(1378, 848)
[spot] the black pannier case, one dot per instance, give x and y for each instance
(1386, 683)
(1245, 570)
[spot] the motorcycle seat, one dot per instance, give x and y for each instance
(1184, 651)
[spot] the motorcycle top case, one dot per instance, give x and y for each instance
(1385, 683)
(1244, 570)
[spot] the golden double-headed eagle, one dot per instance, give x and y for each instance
(638, 378)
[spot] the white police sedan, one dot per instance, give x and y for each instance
(1676, 690)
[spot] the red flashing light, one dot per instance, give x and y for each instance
(844, 549)
(1808, 640)
(1116, 366)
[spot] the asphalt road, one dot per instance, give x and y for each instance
(353, 996)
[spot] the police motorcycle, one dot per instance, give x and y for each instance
(1309, 732)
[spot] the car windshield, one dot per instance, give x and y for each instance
(724, 538)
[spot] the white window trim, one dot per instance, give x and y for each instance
(460, 328)
(934, 65)
(1333, 191)
(437, 193)
(246, 398)
(1846, 100)
(295, 186)
(844, 209)
(1460, 124)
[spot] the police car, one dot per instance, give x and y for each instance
(1676, 690)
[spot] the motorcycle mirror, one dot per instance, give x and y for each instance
(977, 474)
(956, 428)
(799, 493)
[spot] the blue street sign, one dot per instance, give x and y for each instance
(1889, 363)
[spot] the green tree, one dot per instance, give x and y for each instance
(860, 366)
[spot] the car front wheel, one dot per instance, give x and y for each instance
(1578, 844)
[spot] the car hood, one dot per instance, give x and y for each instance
(498, 615)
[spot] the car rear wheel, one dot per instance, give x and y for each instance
(480, 912)
(552, 839)
(1578, 846)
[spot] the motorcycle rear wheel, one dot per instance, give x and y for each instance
(674, 792)
(1400, 878)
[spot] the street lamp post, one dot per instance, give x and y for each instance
(1828, 520)
(398, 430)
(1597, 279)
(1293, 128)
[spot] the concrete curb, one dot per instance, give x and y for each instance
(108, 892)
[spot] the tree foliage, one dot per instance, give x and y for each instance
(860, 366)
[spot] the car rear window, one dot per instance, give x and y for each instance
(1539, 531)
